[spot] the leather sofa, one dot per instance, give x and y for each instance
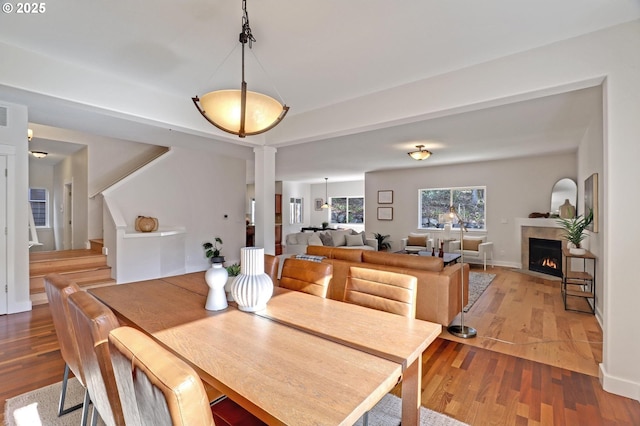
(438, 293)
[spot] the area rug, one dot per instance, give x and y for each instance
(478, 283)
(39, 407)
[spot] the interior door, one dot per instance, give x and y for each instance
(3, 235)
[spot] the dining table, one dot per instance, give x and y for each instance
(302, 360)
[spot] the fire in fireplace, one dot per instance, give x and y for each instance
(545, 256)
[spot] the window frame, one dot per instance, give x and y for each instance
(347, 197)
(47, 223)
(451, 202)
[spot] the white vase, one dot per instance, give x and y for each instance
(252, 288)
(578, 251)
(216, 278)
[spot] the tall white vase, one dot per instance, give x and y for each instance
(252, 289)
(216, 278)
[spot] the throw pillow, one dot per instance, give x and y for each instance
(362, 235)
(291, 239)
(326, 239)
(354, 240)
(417, 241)
(315, 240)
(471, 244)
(310, 257)
(339, 237)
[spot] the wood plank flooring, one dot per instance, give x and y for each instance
(473, 380)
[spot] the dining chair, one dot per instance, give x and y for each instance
(58, 289)
(382, 290)
(158, 388)
(271, 267)
(306, 276)
(92, 321)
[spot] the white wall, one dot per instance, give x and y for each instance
(190, 190)
(72, 170)
(295, 190)
(515, 188)
(335, 189)
(13, 136)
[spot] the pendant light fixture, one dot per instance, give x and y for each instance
(326, 198)
(420, 154)
(241, 112)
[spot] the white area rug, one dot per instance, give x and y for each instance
(478, 283)
(39, 407)
(388, 412)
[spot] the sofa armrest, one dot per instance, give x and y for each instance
(454, 245)
(403, 243)
(485, 247)
(373, 243)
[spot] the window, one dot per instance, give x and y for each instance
(39, 200)
(469, 203)
(347, 209)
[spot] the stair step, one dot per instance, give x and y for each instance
(96, 245)
(42, 265)
(81, 277)
(41, 298)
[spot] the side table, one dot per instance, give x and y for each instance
(579, 283)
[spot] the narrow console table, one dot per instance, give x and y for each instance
(579, 283)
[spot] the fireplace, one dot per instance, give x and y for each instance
(545, 256)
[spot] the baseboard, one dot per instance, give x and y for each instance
(619, 386)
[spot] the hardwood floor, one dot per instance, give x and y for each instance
(545, 379)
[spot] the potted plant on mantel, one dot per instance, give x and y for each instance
(574, 231)
(212, 250)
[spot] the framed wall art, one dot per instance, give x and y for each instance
(385, 197)
(317, 204)
(385, 213)
(591, 200)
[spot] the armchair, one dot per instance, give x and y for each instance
(474, 248)
(416, 242)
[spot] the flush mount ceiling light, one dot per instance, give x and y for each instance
(29, 134)
(241, 112)
(420, 154)
(39, 154)
(326, 198)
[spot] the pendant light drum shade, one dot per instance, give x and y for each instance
(223, 109)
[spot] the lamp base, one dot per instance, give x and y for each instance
(462, 331)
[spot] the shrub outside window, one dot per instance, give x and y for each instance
(347, 209)
(469, 202)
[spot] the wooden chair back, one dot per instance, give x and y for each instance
(306, 276)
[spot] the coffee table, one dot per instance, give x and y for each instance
(448, 258)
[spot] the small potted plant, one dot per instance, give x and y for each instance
(574, 231)
(212, 250)
(383, 244)
(325, 225)
(233, 271)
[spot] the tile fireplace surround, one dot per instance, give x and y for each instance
(535, 228)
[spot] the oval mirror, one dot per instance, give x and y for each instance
(564, 189)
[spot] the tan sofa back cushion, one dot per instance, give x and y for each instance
(352, 255)
(423, 263)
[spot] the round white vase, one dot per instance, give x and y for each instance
(252, 288)
(216, 278)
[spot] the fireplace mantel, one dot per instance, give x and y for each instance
(535, 228)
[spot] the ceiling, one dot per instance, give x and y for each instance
(129, 69)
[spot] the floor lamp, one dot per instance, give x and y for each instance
(461, 330)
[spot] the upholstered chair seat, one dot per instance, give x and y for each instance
(158, 388)
(58, 289)
(306, 276)
(92, 322)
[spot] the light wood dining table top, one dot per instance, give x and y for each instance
(279, 367)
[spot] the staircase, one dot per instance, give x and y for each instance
(87, 267)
